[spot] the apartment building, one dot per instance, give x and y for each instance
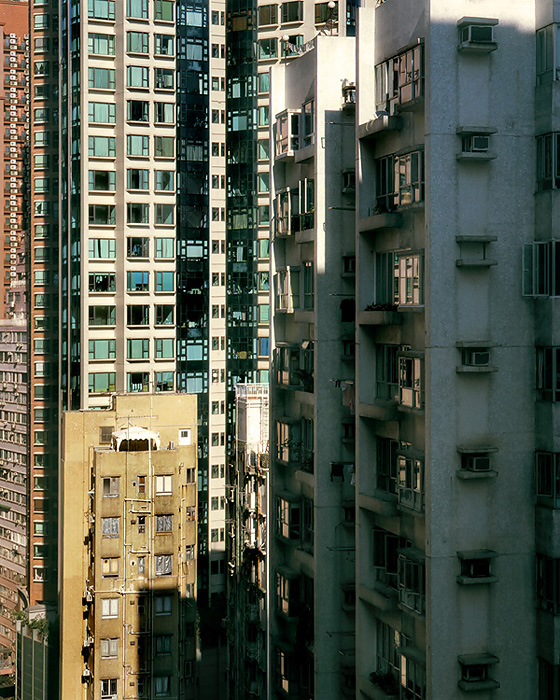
(247, 537)
(14, 553)
(312, 475)
(128, 549)
(447, 415)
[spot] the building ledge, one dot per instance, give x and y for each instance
(382, 123)
(378, 318)
(380, 222)
(483, 369)
(373, 692)
(377, 599)
(466, 475)
(379, 410)
(380, 503)
(469, 581)
(306, 236)
(469, 157)
(483, 262)
(304, 317)
(478, 686)
(305, 153)
(477, 47)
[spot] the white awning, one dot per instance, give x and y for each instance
(134, 432)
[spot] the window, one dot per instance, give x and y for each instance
(410, 381)
(163, 45)
(109, 688)
(101, 146)
(475, 671)
(138, 111)
(548, 374)
(137, 315)
(292, 12)
(109, 648)
(162, 685)
(164, 484)
(268, 14)
(410, 282)
(165, 113)
(386, 464)
(101, 9)
(386, 547)
(101, 349)
(323, 12)
(101, 282)
(137, 247)
(101, 78)
(548, 584)
(164, 146)
(102, 215)
(101, 113)
(137, 213)
(164, 78)
(164, 10)
(163, 604)
(137, 77)
(410, 482)
(267, 48)
(101, 382)
(137, 9)
(109, 567)
(101, 315)
(137, 42)
(137, 382)
(111, 485)
(165, 214)
(163, 644)
(101, 180)
(101, 44)
(137, 281)
(137, 348)
(412, 584)
(109, 607)
(164, 523)
(110, 527)
(164, 348)
(165, 180)
(165, 247)
(163, 564)
(137, 179)
(164, 281)
(399, 80)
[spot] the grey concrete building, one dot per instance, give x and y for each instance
(447, 415)
(311, 557)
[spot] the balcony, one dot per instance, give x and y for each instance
(379, 410)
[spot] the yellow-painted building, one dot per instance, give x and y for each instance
(128, 549)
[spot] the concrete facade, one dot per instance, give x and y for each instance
(311, 560)
(445, 391)
(128, 549)
(247, 537)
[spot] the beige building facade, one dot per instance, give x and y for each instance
(128, 549)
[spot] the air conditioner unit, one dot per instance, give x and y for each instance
(477, 463)
(86, 673)
(477, 34)
(88, 642)
(88, 596)
(480, 144)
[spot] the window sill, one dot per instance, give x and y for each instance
(378, 318)
(376, 127)
(477, 686)
(484, 262)
(483, 369)
(469, 581)
(466, 475)
(477, 47)
(138, 122)
(473, 157)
